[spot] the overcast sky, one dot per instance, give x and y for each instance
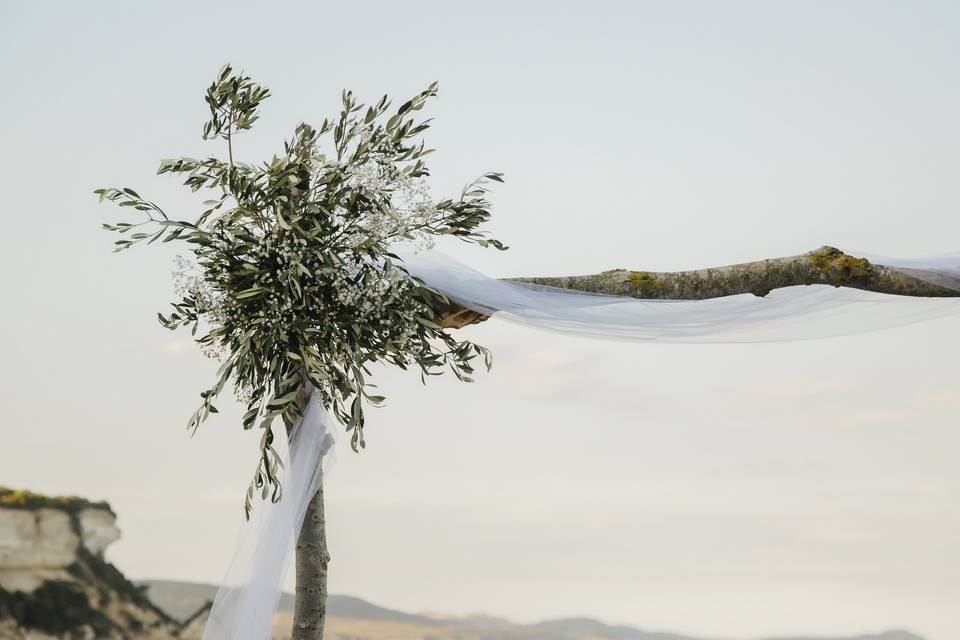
(722, 490)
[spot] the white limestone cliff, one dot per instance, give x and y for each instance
(54, 580)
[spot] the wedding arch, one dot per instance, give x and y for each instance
(310, 267)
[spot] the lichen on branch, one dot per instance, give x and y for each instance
(823, 266)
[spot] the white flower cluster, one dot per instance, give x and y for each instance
(411, 197)
(188, 282)
(408, 210)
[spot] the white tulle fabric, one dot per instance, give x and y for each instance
(793, 313)
(250, 592)
(246, 602)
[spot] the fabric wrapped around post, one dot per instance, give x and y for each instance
(250, 592)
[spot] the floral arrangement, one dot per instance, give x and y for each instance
(292, 283)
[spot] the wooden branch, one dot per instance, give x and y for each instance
(312, 553)
(458, 317)
(826, 265)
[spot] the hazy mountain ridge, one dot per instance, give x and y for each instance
(182, 599)
(351, 618)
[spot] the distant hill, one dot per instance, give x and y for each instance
(896, 634)
(588, 627)
(182, 599)
(357, 619)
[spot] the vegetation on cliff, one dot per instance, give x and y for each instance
(23, 499)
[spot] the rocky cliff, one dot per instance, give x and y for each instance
(55, 583)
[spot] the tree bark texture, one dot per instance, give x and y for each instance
(312, 558)
(826, 265)
(310, 608)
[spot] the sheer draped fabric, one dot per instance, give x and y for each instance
(792, 313)
(250, 593)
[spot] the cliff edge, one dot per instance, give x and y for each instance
(55, 583)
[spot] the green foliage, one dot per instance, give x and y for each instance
(293, 281)
(233, 102)
(23, 499)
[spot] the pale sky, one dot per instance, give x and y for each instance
(719, 490)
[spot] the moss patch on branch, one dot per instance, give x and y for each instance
(646, 283)
(839, 268)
